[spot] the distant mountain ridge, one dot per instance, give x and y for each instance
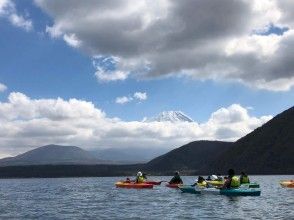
(171, 116)
(53, 154)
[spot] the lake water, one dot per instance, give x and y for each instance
(97, 198)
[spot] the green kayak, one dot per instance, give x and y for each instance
(228, 192)
(251, 185)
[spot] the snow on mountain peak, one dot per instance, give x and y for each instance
(171, 116)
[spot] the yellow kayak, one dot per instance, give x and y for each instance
(287, 183)
(215, 182)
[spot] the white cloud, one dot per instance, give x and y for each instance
(8, 10)
(204, 39)
(20, 21)
(2, 87)
(72, 40)
(140, 95)
(123, 100)
(27, 123)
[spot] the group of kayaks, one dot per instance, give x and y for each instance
(250, 189)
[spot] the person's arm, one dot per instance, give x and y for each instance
(227, 184)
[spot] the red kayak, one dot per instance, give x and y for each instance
(133, 185)
(147, 182)
(174, 186)
(153, 182)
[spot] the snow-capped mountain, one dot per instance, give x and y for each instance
(171, 116)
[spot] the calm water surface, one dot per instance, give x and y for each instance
(97, 198)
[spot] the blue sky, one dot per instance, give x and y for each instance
(42, 66)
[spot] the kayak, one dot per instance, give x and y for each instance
(215, 182)
(227, 192)
(250, 185)
(133, 185)
(153, 182)
(220, 183)
(174, 186)
(147, 182)
(287, 183)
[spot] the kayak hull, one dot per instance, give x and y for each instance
(189, 189)
(174, 186)
(227, 192)
(250, 185)
(287, 183)
(240, 192)
(153, 183)
(133, 185)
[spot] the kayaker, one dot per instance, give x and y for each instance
(244, 178)
(176, 179)
(232, 181)
(200, 182)
(139, 178)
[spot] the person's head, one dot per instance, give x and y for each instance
(243, 173)
(177, 173)
(128, 179)
(231, 172)
(200, 179)
(139, 173)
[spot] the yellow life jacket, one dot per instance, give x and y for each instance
(244, 179)
(140, 179)
(235, 182)
(202, 184)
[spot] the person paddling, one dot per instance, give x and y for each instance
(244, 178)
(139, 177)
(200, 182)
(176, 179)
(232, 181)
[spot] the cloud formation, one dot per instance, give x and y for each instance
(8, 11)
(2, 87)
(123, 100)
(140, 96)
(27, 123)
(206, 39)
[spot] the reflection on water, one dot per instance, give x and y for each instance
(94, 198)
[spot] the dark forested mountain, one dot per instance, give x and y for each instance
(191, 158)
(52, 154)
(267, 150)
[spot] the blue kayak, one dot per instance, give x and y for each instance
(227, 192)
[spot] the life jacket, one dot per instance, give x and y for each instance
(244, 179)
(235, 182)
(202, 184)
(140, 179)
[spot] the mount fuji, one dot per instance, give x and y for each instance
(171, 116)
